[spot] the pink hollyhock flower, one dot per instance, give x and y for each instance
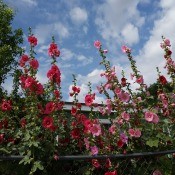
(155, 119)
(97, 44)
(108, 163)
(157, 172)
(117, 90)
(29, 82)
(34, 64)
(86, 141)
(125, 116)
(89, 98)
(32, 40)
(47, 122)
(96, 163)
(124, 96)
(123, 138)
(125, 49)
(111, 173)
(137, 133)
(167, 42)
(149, 116)
(131, 132)
(23, 122)
(94, 150)
(140, 80)
(6, 105)
(112, 129)
(95, 130)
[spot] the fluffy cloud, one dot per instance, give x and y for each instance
(78, 15)
(114, 16)
(44, 31)
(130, 34)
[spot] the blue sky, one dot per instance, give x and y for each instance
(76, 24)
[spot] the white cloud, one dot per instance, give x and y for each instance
(78, 15)
(66, 54)
(151, 55)
(130, 34)
(44, 31)
(113, 16)
(30, 2)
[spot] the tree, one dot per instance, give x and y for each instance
(10, 41)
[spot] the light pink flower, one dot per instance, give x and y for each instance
(94, 150)
(149, 116)
(155, 119)
(125, 116)
(97, 44)
(124, 96)
(96, 130)
(86, 141)
(167, 42)
(131, 132)
(137, 133)
(112, 129)
(117, 90)
(125, 49)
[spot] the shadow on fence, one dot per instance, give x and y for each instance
(147, 163)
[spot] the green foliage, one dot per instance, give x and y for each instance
(10, 41)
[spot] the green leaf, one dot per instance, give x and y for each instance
(152, 142)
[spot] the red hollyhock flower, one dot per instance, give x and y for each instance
(120, 144)
(53, 50)
(75, 133)
(6, 105)
(96, 163)
(32, 40)
(73, 111)
(89, 98)
(23, 122)
(162, 80)
(123, 82)
(34, 64)
(47, 122)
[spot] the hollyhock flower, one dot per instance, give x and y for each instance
(149, 116)
(112, 129)
(162, 80)
(29, 82)
(123, 138)
(56, 93)
(56, 157)
(96, 163)
(155, 119)
(140, 80)
(134, 132)
(126, 49)
(53, 50)
(97, 44)
(47, 122)
(131, 132)
(89, 98)
(75, 133)
(123, 82)
(125, 116)
(137, 133)
(50, 107)
(94, 150)
(105, 51)
(111, 173)
(95, 130)
(24, 58)
(73, 111)
(124, 96)
(120, 144)
(117, 90)
(34, 64)
(108, 163)
(39, 89)
(32, 40)
(76, 89)
(6, 105)
(157, 172)
(86, 141)
(167, 42)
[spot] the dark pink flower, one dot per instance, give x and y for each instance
(140, 80)
(47, 122)
(94, 150)
(89, 98)
(96, 129)
(124, 96)
(32, 40)
(34, 64)
(96, 163)
(6, 105)
(29, 82)
(50, 107)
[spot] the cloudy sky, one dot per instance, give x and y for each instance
(76, 24)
